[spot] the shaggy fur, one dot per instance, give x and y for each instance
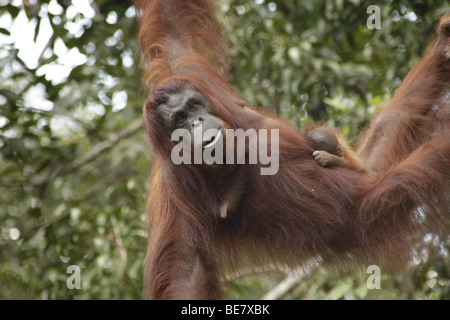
(304, 213)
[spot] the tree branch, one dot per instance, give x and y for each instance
(92, 154)
(103, 146)
(282, 288)
(61, 113)
(291, 280)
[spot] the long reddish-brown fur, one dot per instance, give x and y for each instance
(303, 213)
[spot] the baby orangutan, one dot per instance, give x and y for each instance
(332, 150)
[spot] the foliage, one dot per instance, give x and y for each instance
(74, 160)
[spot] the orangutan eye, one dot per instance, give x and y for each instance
(193, 107)
(180, 118)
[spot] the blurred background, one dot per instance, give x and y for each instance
(74, 160)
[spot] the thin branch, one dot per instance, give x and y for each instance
(292, 279)
(282, 288)
(241, 273)
(61, 113)
(118, 240)
(91, 155)
(103, 146)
